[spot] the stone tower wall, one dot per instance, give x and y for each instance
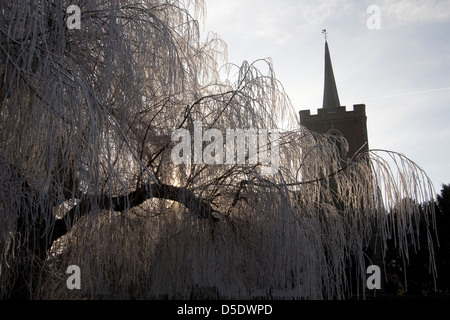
(352, 124)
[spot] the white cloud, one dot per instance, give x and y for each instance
(275, 20)
(412, 12)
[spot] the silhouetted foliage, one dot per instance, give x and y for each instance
(412, 277)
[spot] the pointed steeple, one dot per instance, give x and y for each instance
(330, 94)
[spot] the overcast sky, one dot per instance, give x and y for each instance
(401, 71)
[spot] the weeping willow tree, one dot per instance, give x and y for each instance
(87, 177)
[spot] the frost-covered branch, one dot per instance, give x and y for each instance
(196, 206)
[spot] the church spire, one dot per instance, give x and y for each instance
(330, 95)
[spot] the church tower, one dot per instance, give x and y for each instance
(334, 119)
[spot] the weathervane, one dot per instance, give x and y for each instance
(324, 31)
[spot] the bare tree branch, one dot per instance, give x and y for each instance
(196, 206)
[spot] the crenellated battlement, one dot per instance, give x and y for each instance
(359, 110)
